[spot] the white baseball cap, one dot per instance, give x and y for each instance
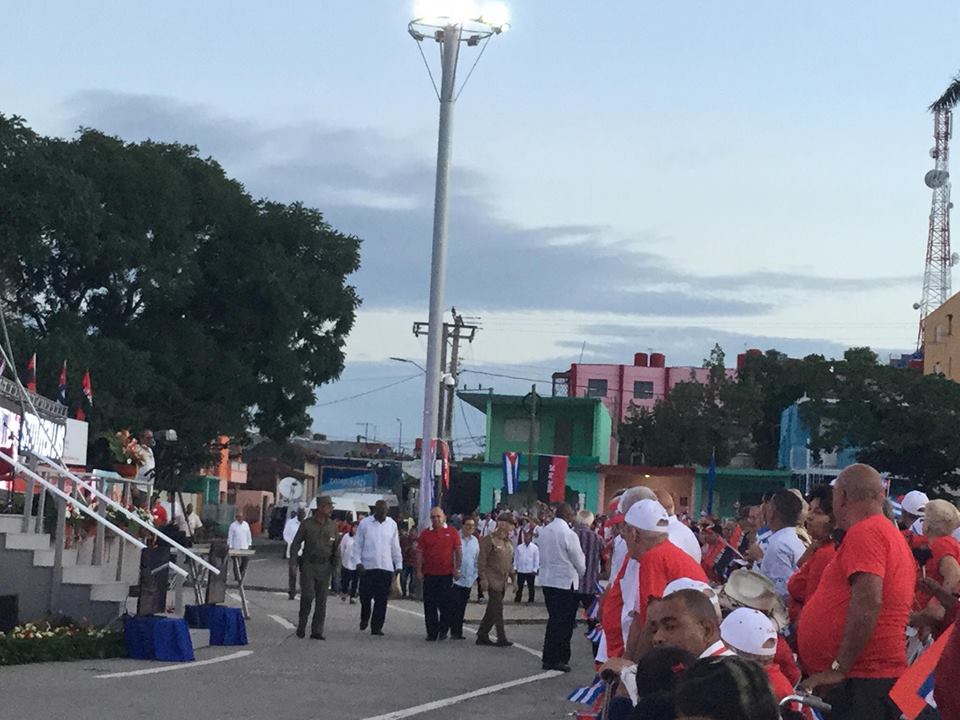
(749, 631)
(914, 502)
(648, 515)
(686, 583)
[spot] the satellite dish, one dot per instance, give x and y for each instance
(954, 258)
(290, 489)
(916, 306)
(936, 178)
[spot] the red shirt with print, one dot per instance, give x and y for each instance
(436, 550)
(871, 546)
(660, 566)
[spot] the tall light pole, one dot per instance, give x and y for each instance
(400, 439)
(449, 23)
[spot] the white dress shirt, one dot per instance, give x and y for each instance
(562, 562)
(470, 553)
(486, 527)
(347, 557)
(683, 537)
(779, 562)
(526, 558)
(377, 544)
(617, 555)
(239, 537)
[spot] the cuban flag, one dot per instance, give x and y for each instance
(587, 695)
(511, 473)
(913, 692)
(62, 386)
(595, 634)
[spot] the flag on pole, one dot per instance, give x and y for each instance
(62, 387)
(86, 402)
(511, 473)
(587, 695)
(552, 478)
(31, 375)
(914, 690)
(711, 481)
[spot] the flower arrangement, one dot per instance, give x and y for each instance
(125, 450)
(43, 642)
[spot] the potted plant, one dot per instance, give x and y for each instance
(125, 452)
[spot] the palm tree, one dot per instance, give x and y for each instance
(950, 97)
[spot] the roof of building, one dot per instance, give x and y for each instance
(479, 400)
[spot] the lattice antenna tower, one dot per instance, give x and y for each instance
(939, 259)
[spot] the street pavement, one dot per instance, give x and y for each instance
(351, 675)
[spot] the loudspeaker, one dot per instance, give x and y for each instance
(152, 599)
(217, 584)
(9, 612)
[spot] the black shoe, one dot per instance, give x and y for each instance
(317, 636)
(516, 598)
(363, 624)
(504, 643)
(376, 632)
(442, 636)
(484, 641)
(562, 667)
(431, 639)
(457, 637)
(530, 600)
(301, 633)
(292, 597)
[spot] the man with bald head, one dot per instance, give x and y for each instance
(851, 631)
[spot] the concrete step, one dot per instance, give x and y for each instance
(109, 592)
(88, 574)
(44, 558)
(11, 523)
(26, 541)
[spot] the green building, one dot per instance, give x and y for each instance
(577, 427)
(743, 486)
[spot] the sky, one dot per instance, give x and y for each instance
(627, 176)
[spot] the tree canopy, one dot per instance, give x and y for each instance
(195, 306)
(899, 420)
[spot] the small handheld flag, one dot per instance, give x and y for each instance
(587, 695)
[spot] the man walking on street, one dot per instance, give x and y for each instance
(348, 566)
(470, 554)
(495, 566)
(377, 549)
(438, 563)
(320, 540)
(239, 537)
(562, 564)
(526, 561)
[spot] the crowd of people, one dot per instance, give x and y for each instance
(823, 594)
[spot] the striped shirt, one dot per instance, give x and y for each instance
(591, 544)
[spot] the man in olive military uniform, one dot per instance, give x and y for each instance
(321, 543)
(495, 566)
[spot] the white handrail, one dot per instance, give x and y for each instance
(20, 467)
(117, 506)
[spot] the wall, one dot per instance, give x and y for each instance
(941, 340)
(583, 479)
(733, 484)
(584, 422)
(677, 481)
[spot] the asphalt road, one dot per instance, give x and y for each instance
(351, 675)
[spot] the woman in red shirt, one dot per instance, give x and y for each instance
(941, 519)
(820, 524)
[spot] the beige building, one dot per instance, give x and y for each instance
(941, 340)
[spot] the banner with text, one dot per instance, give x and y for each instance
(552, 478)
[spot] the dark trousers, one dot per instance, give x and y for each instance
(561, 620)
(407, 578)
(244, 561)
(348, 582)
(493, 616)
(862, 699)
(314, 583)
(436, 604)
(479, 590)
(528, 579)
(292, 571)
(375, 591)
(459, 596)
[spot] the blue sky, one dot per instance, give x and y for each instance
(628, 176)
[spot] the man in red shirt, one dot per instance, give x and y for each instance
(851, 632)
(438, 563)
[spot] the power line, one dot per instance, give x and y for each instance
(368, 392)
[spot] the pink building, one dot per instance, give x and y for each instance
(641, 384)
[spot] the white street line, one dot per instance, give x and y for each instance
(234, 596)
(524, 648)
(167, 668)
(284, 623)
(446, 702)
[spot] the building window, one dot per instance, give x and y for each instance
(596, 388)
(643, 390)
(517, 430)
(938, 334)
(949, 324)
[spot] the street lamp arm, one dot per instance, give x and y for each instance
(411, 362)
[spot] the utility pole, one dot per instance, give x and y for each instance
(530, 402)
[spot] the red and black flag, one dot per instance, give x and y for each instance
(31, 375)
(86, 402)
(552, 478)
(62, 385)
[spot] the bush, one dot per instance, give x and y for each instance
(33, 643)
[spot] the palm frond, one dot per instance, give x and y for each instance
(950, 97)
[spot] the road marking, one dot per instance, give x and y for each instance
(284, 623)
(234, 596)
(536, 653)
(167, 668)
(446, 702)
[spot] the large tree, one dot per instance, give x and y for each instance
(194, 305)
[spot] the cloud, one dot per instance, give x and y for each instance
(367, 185)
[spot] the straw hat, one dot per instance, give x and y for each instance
(746, 588)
